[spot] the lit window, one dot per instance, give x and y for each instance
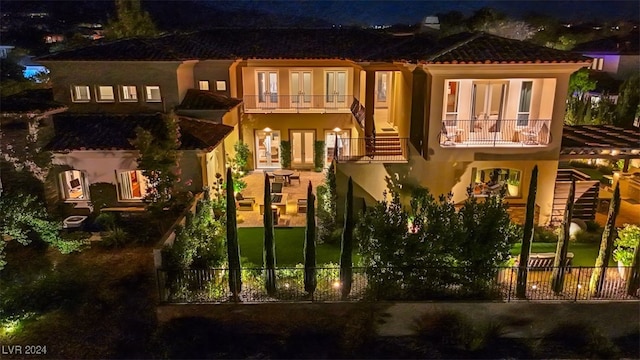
(105, 93)
(80, 93)
(492, 181)
(73, 185)
(524, 108)
(203, 85)
(132, 185)
(451, 107)
(153, 94)
(221, 85)
(128, 93)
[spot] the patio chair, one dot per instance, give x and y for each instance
(295, 177)
(302, 206)
(449, 136)
(276, 187)
(245, 203)
(279, 178)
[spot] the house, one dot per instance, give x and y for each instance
(470, 111)
(618, 56)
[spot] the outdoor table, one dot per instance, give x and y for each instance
(285, 174)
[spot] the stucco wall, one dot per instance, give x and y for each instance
(212, 71)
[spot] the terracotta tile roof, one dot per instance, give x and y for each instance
(207, 100)
(484, 48)
(352, 44)
(625, 45)
(113, 132)
(587, 139)
(36, 100)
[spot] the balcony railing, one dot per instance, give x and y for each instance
(495, 132)
(297, 103)
(372, 150)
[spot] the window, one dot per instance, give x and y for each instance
(221, 85)
(132, 185)
(105, 93)
(336, 86)
(153, 94)
(492, 181)
(268, 86)
(451, 106)
(73, 185)
(525, 103)
(381, 86)
(128, 93)
(597, 64)
(203, 85)
(80, 93)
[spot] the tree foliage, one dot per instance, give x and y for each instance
(158, 160)
(419, 252)
(527, 236)
(346, 249)
(606, 245)
(327, 206)
(233, 247)
(580, 83)
(131, 21)
(310, 281)
(628, 108)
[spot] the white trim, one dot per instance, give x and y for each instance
(74, 93)
(99, 98)
(121, 93)
(147, 93)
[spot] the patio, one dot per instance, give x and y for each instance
(293, 191)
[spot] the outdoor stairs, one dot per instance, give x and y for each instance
(386, 144)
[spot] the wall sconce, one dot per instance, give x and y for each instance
(337, 129)
(267, 129)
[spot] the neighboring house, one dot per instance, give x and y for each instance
(617, 56)
(470, 111)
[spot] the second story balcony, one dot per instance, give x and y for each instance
(495, 132)
(275, 103)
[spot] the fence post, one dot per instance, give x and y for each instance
(575, 299)
(510, 285)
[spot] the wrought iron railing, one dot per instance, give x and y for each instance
(373, 149)
(381, 284)
(297, 103)
(495, 132)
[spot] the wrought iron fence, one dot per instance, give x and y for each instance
(297, 103)
(390, 284)
(495, 132)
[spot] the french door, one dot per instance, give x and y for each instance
(268, 149)
(302, 147)
(487, 108)
(330, 137)
(267, 82)
(301, 89)
(336, 89)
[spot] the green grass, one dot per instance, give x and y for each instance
(584, 254)
(289, 247)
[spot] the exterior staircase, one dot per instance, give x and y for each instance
(386, 145)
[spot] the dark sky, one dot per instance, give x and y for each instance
(372, 12)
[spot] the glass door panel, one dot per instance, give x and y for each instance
(268, 88)
(336, 89)
(487, 109)
(302, 147)
(268, 149)
(330, 143)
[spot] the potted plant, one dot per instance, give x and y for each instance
(513, 185)
(625, 244)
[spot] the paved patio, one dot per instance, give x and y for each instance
(294, 191)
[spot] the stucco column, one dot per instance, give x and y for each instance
(369, 105)
(418, 98)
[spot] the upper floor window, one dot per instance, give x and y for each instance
(381, 86)
(128, 93)
(80, 93)
(73, 185)
(300, 87)
(451, 105)
(597, 64)
(203, 85)
(105, 93)
(221, 85)
(153, 94)
(335, 86)
(267, 86)
(524, 107)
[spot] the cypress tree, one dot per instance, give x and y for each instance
(557, 277)
(521, 287)
(269, 255)
(346, 252)
(310, 281)
(233, 248)
(606, 245)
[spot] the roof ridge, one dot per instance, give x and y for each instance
(455, 46)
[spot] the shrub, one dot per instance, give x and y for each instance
(544, 235)
(242, 155)
(318, 155)
(577, 338)
(72, 242)
(103, 195)
(106, 221)
(627, 241)
(285, 154)
(448, 329)
(588, 237)
(115, 237)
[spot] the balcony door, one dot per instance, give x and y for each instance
(302, 147)
(330, 144)
(268, 149)
(267, 82)
(487, 109)
(301, 89)
(336, 89)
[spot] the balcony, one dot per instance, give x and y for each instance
(383, 149)
(268, 103)
(495, 133)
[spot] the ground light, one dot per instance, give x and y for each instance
(13, 325)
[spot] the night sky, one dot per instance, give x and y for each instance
(373, 12)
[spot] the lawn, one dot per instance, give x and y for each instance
(584, 254)
(289, 247)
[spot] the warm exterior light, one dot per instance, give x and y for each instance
(267, 129)
(337, 129)
(615, 152)
(534, 287)
(336, 285)
(286, 285)
(579, 286)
